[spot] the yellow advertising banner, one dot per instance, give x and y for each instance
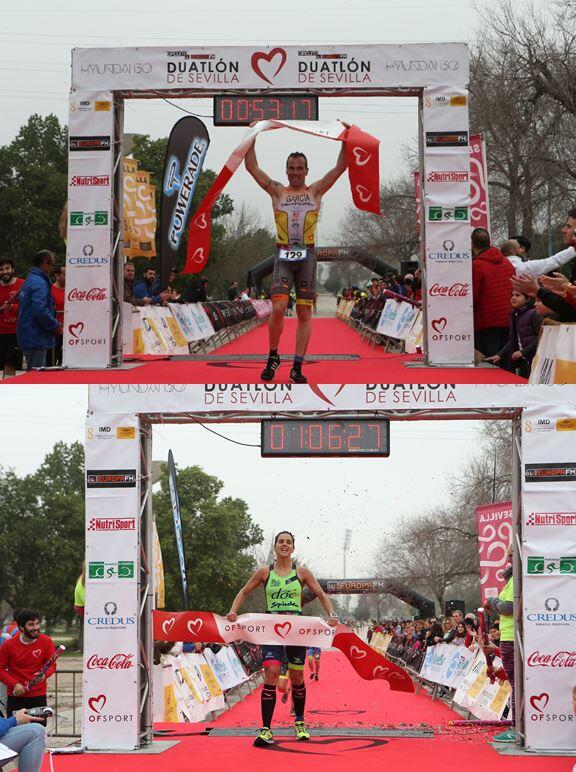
(139, 211)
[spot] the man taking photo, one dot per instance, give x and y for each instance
(21, 658)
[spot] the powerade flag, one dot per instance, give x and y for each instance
(185, 152)
(177, 525)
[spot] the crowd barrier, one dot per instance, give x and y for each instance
(181, 328)
(555, 360)
(462, 671)
(391, 320)
(189, 687)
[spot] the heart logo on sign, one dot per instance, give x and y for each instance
(357, 653)
(198, 256)
(274, 58)
(439, 325)
(97, 703)
(380, 671)
(320, 393)
(362, 156)
(282, 629)
(200, 222)
(363, 193)
(76, 329)
(168, 625)
(539, 701)
(194, 626)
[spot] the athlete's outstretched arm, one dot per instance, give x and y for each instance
(251, 163)
(311, 582)
(258, 577)
(321, 186)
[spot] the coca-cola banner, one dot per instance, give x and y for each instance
(549, 575)
(110, 715)
(479, 201)
(445, 187)
(494, 539)
(88, 302)
(263, 68)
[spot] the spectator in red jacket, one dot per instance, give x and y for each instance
(491, 274)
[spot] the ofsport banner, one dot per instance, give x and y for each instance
(281, 630)
(363, 172)
(185, 152)
(265, 68)
(494, 539)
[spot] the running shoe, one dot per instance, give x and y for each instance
(265, 738)
(296, 376)
(509, 736)
(272, 365)
(300, 730)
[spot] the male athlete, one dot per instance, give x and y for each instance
(283, 581)
(296, 208)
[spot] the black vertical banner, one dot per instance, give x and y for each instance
(187, 146)
(178, 526)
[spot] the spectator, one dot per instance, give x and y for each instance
(169, 294)
(129, 297)
(59, 296)
(518, 352)
(79, 602)
(449, 628)
(26, 736)
(19, 663)
(535, 268)
(245, 295)
(148, 286)
(491, 273)
(457, 616)
(459, 634)
(197, 291)
(232, 292)
(523, 246)
(435, 633)
(417, 285)
(10, 285)
(37, 322)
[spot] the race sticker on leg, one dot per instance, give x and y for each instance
(293, 254)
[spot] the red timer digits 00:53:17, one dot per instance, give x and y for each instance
(237, 110)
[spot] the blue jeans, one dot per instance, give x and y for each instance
(29, 742)
(35, 358)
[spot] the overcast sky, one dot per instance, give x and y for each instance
(317, 499)
(36, 38)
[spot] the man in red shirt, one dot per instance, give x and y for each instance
(10, 355)
(21, 658)
(58, 290)
(491, 274)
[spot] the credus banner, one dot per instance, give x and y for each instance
(281, 630)
(185, 152)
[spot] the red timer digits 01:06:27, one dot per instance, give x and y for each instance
(325, 437)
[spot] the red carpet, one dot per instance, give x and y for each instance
(339, 699)
(329, 336)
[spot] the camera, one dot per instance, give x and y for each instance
(44, 712)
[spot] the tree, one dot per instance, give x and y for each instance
(33, 189)
(218, 534)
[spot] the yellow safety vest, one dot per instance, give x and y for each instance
(507, 621)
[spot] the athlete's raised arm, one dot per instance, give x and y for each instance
(308, 578)
(251, 163)
(321, 186)
(258, 577)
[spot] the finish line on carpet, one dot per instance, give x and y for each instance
(261, 357)
(322, 731)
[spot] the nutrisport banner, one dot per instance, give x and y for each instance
(187, 146)
(111, 681)
(87, 310)
(261, 397)
(314, 66)
(549, 576)
(445, 184)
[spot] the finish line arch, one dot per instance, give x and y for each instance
(104, 78)
(424, 606)
(324, 255)
(117, 706)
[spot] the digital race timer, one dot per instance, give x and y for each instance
(239, 110)
(325, 437)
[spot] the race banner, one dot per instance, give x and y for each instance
(175, 501)
(476, 693)
(446, 664)
(185, 152)
(139, 211)
(549, 575)
(396, 319)
(284, 630)
(479, 201)
(494, 539)
(226, 667)
(311, 67)
(363, 172)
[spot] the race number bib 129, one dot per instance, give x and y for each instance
(293, 254)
